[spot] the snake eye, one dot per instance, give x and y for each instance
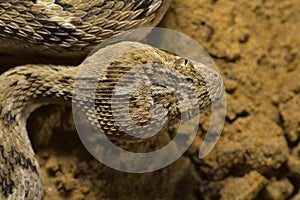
(182, 62)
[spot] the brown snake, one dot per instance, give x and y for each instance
(69, 28)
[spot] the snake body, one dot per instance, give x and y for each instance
(68, 27)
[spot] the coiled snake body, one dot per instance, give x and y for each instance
(68, 27)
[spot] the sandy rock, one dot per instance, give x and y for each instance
(244, 188)
(279, 189)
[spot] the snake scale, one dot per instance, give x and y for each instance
(68, 28)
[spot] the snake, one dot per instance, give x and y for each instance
(67, 28)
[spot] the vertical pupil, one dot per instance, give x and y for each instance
(185, 61)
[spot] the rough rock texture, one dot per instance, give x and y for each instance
(256, 46)
(279, 189)
(243, 188)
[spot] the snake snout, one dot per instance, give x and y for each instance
(213, 81)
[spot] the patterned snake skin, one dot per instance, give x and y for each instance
(67, 28)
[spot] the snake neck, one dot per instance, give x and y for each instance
(27, 87)
(125, 96)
